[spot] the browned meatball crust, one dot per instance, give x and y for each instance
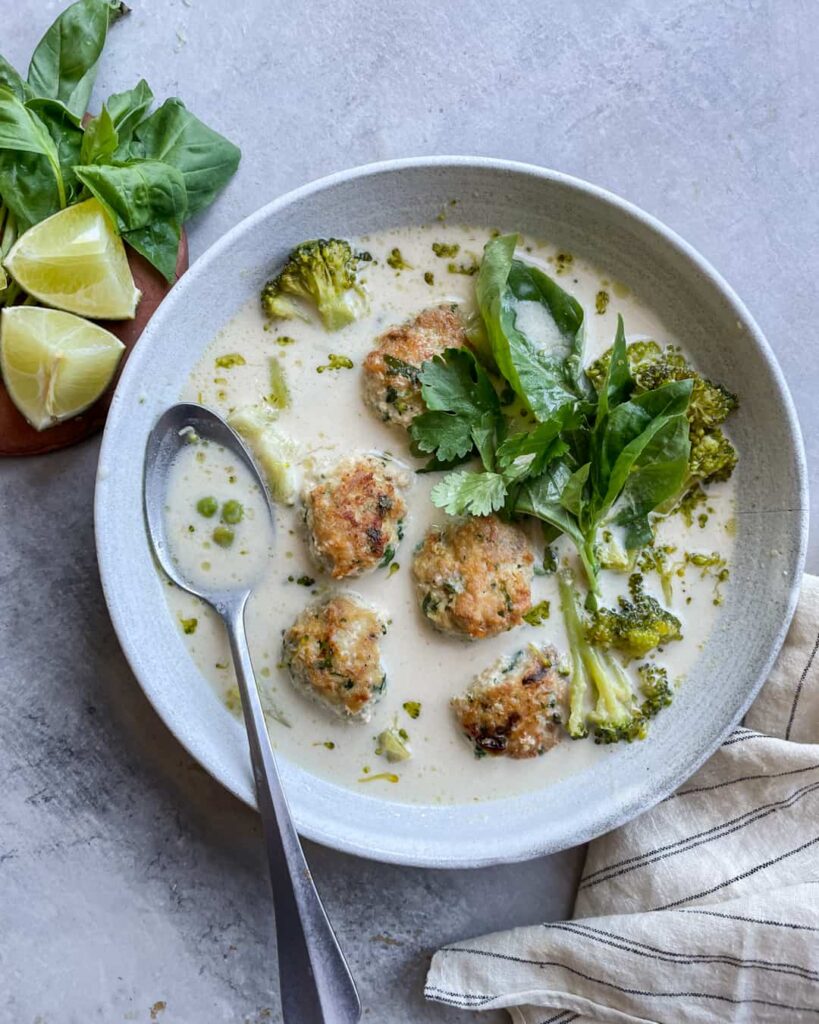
(515, 708)
(355, 515)
(391, 387)
(474, 577)
(332, 653)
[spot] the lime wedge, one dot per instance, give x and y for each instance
(54, 364)
(76, 261)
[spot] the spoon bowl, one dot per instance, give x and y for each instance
(176, 428)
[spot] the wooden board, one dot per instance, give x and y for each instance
(18, 437)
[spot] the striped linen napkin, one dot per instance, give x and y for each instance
(705, 908)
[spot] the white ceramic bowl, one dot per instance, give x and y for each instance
(697, 305)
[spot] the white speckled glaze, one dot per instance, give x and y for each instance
(723, 340)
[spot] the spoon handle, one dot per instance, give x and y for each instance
(315, 983)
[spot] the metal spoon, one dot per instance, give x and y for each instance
(314, 980)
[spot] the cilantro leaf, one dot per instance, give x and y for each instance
(483, 432)
(476, 494)
(463, 410)
(448, 436)
(525, 455)
(456, 382)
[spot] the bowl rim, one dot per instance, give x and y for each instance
(628, 805)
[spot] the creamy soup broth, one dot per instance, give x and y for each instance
(327, 420)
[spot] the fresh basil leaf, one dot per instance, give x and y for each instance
(159, 244)
(613, 391)
(630, 428)
(31, 183)
(483, 434)
(657, 475)
(64, 64)
(28, 187)
(546, 374)
(66, 132)
(127, 109)
(490, 286)
(465, 493)
(572, 498)
(205, 158)
(456, 382)
(21, 130)
(541, 497)
(530, 284)
(137, 193)
(10, 79)
(527, 454)
(146, 200)
(619, 383)
(518, 446)
(479, 340)
(100, 139)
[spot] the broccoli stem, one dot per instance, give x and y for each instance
(576, 726)
(667, 583)
(614, 693)
(591, 567)
(615, 716)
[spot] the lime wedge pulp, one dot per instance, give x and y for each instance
(75, 261)
(55, 365)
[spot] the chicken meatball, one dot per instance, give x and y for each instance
(391, 387)
(516, 706)
(332, 653)
(355, 515)
(474, 577)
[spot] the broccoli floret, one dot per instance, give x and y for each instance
(651, 367)
(393, 744)
(638, 352)
(713, 457)
(710, 405)
(324, 272)
(655, 689)
(657, 558)
(612, 555)
(616, 715)
(636, 626)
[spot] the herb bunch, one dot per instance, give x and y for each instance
(151, 170)
(576, 456)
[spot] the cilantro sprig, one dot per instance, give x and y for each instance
(464, 411)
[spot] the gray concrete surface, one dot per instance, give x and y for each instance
(131, 886)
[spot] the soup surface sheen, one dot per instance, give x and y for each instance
(328, 420)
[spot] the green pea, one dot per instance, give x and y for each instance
(232, 512)
(223, 536)
(207, 507)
